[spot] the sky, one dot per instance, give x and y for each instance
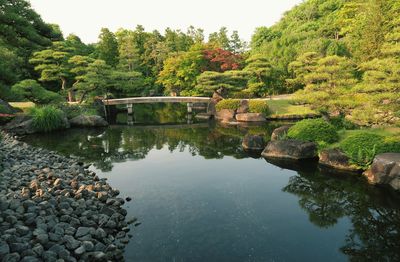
(85, 18)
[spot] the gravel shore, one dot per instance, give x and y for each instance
(52, 208)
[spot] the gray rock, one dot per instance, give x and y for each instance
(80, 250)
(280, 133)
(4, 248)
(253, 142)
(29, 259)
(88, 245)
(22, 230)
(18, 247)
(49, 256)
(42, 238)
(385, 169)
(336, 159)
(226, 115)
(20, 125)
(13, 257)
(290, 149)
(82, 231)
(244, 106)
(71, 243)
(250, 117)
(88, 121)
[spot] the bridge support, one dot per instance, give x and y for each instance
(129, 120)
(130, 109)
(189, 107)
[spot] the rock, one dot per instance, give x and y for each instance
(253, 142)
(70, 242)
(280, 133)
(20, 125)
(88, 245)
(4, 248)
(13, 257)
(128, 199)
(385, 169)
(49, 256)
(7, 108)
(42, 238)
(244, 106)
(250, 117)
(82, 231)
(290, 149)
(217, 96)
(80, 250)
(203, 116)
(22, 230)
(336, 159)
(29, 259)
(88, 121)
(226, 115)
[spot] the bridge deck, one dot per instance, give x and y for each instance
(156, 99)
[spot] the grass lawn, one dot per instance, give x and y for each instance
(285, 108)
(24, 106)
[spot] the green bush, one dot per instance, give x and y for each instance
(31, 90)
(317, 130)
(362, 147)
(72, 111)
(47, 118)
(391, 144)
(232, 104)
(340, 122)
(258, 106)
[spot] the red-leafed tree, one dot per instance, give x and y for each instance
(221, 60)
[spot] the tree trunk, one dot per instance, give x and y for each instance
(63, 83)
(71, 95)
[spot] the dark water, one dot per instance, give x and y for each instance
(199, 197)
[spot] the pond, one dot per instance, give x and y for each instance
(200, 197)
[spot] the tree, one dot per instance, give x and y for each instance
(302, 66)
(261, 76)
(52, 64)
(328, 87)
(107, 47)
(236, 45)
(230, 81)
(220, 38)
(31, 90)
(180, 71)
(222, 60)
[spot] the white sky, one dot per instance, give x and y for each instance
(85, 18)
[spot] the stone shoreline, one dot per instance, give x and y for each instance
(52, 208)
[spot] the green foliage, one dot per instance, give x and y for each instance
(340, 122)
(47, 118)
(72, 111)
(258, 106)
(34, 92)
(362, 147)
(232, 104)
(107, 48)
(317, 130)
(231, 81)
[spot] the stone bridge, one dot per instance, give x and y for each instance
(129, 102)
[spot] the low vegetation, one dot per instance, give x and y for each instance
(317, 130)
(232, 104)
(258, 106)
(47, 118)
(285, 107)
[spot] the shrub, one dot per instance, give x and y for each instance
(362, 147)
(72, 111)
(33, 91)
(232, 104)
(258, 106)
(340, 122)
(317, 130)
(391, 144)
(47, 118)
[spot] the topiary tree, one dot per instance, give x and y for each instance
(317, 130)
(230, 81)
(31, 90)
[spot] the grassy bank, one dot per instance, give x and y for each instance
(285, 108)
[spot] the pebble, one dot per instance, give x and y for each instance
(53, 208)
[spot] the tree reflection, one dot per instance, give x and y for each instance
(375, 214)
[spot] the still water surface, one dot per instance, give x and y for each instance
(200, 197)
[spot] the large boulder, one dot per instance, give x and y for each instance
(244, 106)
(385, 169)
(253, 142)
(279, 132)
(226, 115)
(336, 159)
(88, 121)
(20, 125)
(290, 149)
(251, 117)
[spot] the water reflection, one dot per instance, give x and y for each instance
(373, 213)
